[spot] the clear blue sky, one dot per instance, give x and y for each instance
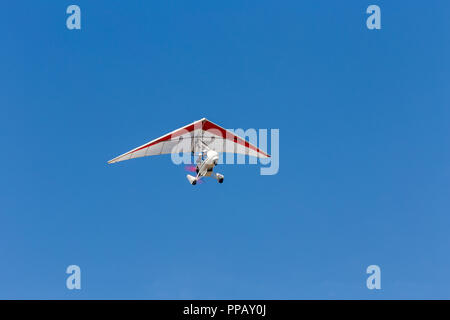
(364, 141)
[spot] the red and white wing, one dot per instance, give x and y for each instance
(163, 145)
(222, 140)
(193, 138)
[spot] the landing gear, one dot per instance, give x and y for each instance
(192, 180)
(219, 177)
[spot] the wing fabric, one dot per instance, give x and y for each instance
(222, 140)
(193, 138)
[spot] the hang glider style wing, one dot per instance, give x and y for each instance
(194, 137)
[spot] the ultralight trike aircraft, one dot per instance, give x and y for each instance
(201, 137)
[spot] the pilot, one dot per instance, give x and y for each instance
(201, 157)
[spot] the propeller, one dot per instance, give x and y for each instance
(190, 168)
(200, 180)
